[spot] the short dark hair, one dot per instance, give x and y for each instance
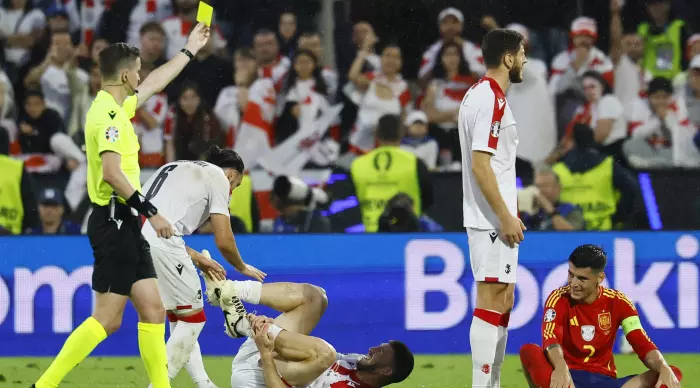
(589, 256)
(309, 34)
(264, 31)
(389, 128)
(607, 88)
(660, 84)
(33, 92)
(224, 158)
(115, 57)
(151, 27)
(499, 42)
(245, 52)
(583, 136)
(403, 362)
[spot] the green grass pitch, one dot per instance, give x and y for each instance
(430, 372)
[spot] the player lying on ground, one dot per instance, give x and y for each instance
(187, 193)
(579, 329)
(300, 360)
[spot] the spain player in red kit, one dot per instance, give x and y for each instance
(579, 326)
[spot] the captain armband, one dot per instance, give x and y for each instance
(631, 324)
(142, 205)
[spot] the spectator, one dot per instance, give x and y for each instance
(148, 125)
(568, 66)
(626, 53)
(270, 63)
(399, 217)
(297, 217)
(544, 209)
(82, 99)
(191, 127)
(232, 101)
(536, 122)
(147, 12)
(451, 23)
(208, 71)
(592, 180)
(91, 56)
(665, 136)
(7, 98)
(20, 29)
(690, 91)
(388, 170)
(312, 41)
(45, 148)
(56, 21)
(376, 93)
(287, 34)
(303, 96)
(692, 50)
(665, 35)
(177, 29)
(152, 45)
(451, 80)
(5, 121)
(604, 113)
(362, 31)
(51, 212)
(18, 210)
(57, 74)
(417, 140)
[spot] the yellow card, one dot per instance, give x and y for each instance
(204, 13)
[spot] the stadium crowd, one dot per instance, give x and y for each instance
(589, 110)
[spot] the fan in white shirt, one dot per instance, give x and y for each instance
(20, 25)
(312, 41)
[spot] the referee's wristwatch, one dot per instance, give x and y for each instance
(188, 53)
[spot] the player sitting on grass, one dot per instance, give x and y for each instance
(301, 360)
(578, 332)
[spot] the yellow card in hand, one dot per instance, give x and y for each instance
(204, 13)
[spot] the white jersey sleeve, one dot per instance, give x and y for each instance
(487, 120)
(219, 192)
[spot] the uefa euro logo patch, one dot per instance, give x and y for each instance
(112, 134)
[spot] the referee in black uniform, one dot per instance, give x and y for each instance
(123, 265)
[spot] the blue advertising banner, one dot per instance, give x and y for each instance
(416, 288)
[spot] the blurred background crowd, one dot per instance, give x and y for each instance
(343, 94)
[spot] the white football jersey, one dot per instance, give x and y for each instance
(342, 374)
(486, 124)
(186, 193)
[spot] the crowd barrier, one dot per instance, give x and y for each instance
(416, 288)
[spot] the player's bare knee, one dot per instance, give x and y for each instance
(152, 313)
(314, 295)
(324, 354)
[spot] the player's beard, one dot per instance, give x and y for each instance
(365, 367)
(515, 74)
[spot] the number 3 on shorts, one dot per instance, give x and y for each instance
(591, 349)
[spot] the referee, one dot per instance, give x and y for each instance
(123, 266)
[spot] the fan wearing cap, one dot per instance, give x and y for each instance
(568, 66)
(417, 140)
(692, 49)
(665, 136)
(451, 22)
(665, 35)
(51, 211)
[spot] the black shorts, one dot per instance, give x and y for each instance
(122, 255)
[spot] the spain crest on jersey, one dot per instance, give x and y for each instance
(605, 321)
(588, 332)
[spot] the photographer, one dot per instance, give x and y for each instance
(296, 202)
(399, 217)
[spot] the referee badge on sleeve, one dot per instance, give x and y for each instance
(112, 134)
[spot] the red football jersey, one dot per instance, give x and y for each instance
(587, 332)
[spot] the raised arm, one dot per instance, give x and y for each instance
(162, 76)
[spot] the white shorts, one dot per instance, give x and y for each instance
(246, 371)
(492, 260)
(178, 281)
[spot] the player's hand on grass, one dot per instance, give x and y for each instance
(253, 272)
(198, 38)
(512, 231)
(162, 226)
(667, 379)
(561, 378)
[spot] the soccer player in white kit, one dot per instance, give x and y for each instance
(488, 139)
(301, 360)
(188, 193)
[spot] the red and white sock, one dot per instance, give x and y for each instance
(483, 337)
(195, 368)
(500, 351)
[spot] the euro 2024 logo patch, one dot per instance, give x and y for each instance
(549, 315)
(112, 134)
(496, 129)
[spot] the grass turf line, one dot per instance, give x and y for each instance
(453, 371)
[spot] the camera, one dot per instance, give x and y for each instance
(293, 191)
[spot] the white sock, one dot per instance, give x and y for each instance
(500, 356)
(274, 331)
(483, 337)
(248, 290)
(180, 344)
(195, 368)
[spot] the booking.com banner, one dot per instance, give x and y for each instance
(416, 288)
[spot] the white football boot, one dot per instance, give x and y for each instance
(236, 321)
(213, 287)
